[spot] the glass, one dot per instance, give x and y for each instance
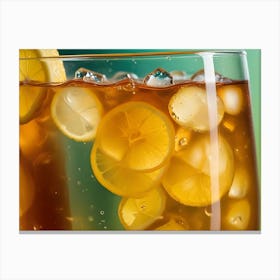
(158, 141)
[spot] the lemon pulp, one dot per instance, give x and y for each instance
(76, 112)
(133, 144)
(139, 213)
(188, 178)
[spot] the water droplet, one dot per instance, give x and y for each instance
(208, 211)
(37, 227)
(236, 220)
(183, 141)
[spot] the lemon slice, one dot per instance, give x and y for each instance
(139, 213)
(120, 180)
(137, 135)
(188, 178)
(76, 112)
(33, 68)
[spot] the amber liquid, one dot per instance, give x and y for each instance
(45, 203)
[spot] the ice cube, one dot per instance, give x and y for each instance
(233, 99)
(179, 76)
(240, 184)
(199, 77)
(124, 75)
(198, 155)
(159, 78)
(89, 76)
(188, 108)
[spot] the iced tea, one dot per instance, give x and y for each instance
(131, 153)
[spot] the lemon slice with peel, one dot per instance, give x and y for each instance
(137, 135)
(76, 112)
(188, 180)
(139, 213)
(32, 67)
(120, 180)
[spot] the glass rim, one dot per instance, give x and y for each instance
(130, 54)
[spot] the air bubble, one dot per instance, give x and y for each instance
(236, 220)
(101, 212)
(182, 138)
(183, 141)
(90, 218)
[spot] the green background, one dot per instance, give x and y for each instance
(92, 206)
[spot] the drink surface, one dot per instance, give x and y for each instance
(127, 155)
